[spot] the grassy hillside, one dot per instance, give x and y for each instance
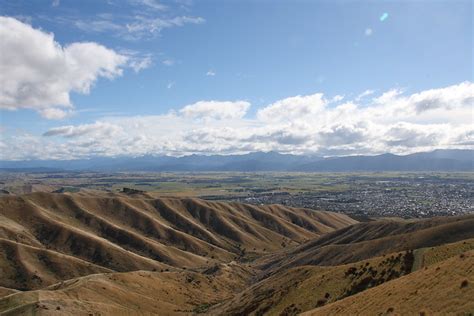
(48, 237)
(138, 292)
(445, 288)
(302, 288)
(117, 254)
(227, 289)
(366, 240)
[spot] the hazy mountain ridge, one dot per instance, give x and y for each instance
(438, 160)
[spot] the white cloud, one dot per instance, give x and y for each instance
(55, 113)
(145, 26)
(140, 63)
(337, 98)
(99, 26)
(368, 31)
(168, 62)
(298, 107)
(389, 122)
(364, 94)
(216, 109)
(99, 128)
(150, 4)
(38, 73)
(443, 98)
(210, 73)
(132, 27)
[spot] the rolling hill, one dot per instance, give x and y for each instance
(120, 254)
(137, 292)
(303, 288)
(365, 240)
(49, 237)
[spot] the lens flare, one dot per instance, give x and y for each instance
(383, 17)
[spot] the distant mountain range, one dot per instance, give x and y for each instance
(438, 160)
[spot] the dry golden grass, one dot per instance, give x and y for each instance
(139, 292)
(431, 255)
(306, 287)
(4, 291)
(445, 288)
(25, 267)
(51, 237)
(366, 240)
(115, 254)
(290, 290)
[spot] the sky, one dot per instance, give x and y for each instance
(81, 79)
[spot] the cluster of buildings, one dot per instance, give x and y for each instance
(407, 199)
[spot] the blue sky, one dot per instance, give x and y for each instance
(259, 52)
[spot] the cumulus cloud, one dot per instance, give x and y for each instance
(216, 109)
(412, 135)
(38, 73)
(454, 96)
(298, 107)
(388, 122)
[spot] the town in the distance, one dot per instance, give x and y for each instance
(412, 192)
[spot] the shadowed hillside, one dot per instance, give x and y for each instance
(138, 292)
(370, 239)
(51, 237)
(303, 288)
(120, 254)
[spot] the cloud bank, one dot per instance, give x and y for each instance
(392, 121)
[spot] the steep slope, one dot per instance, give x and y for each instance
(366, 240)
(100, 232)
(4, 291)
(441, 289)
(116, 254)
(303, 288)
(138, 292)
(25, 267)
(225, 289)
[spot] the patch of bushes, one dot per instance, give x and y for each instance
(202, 308)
